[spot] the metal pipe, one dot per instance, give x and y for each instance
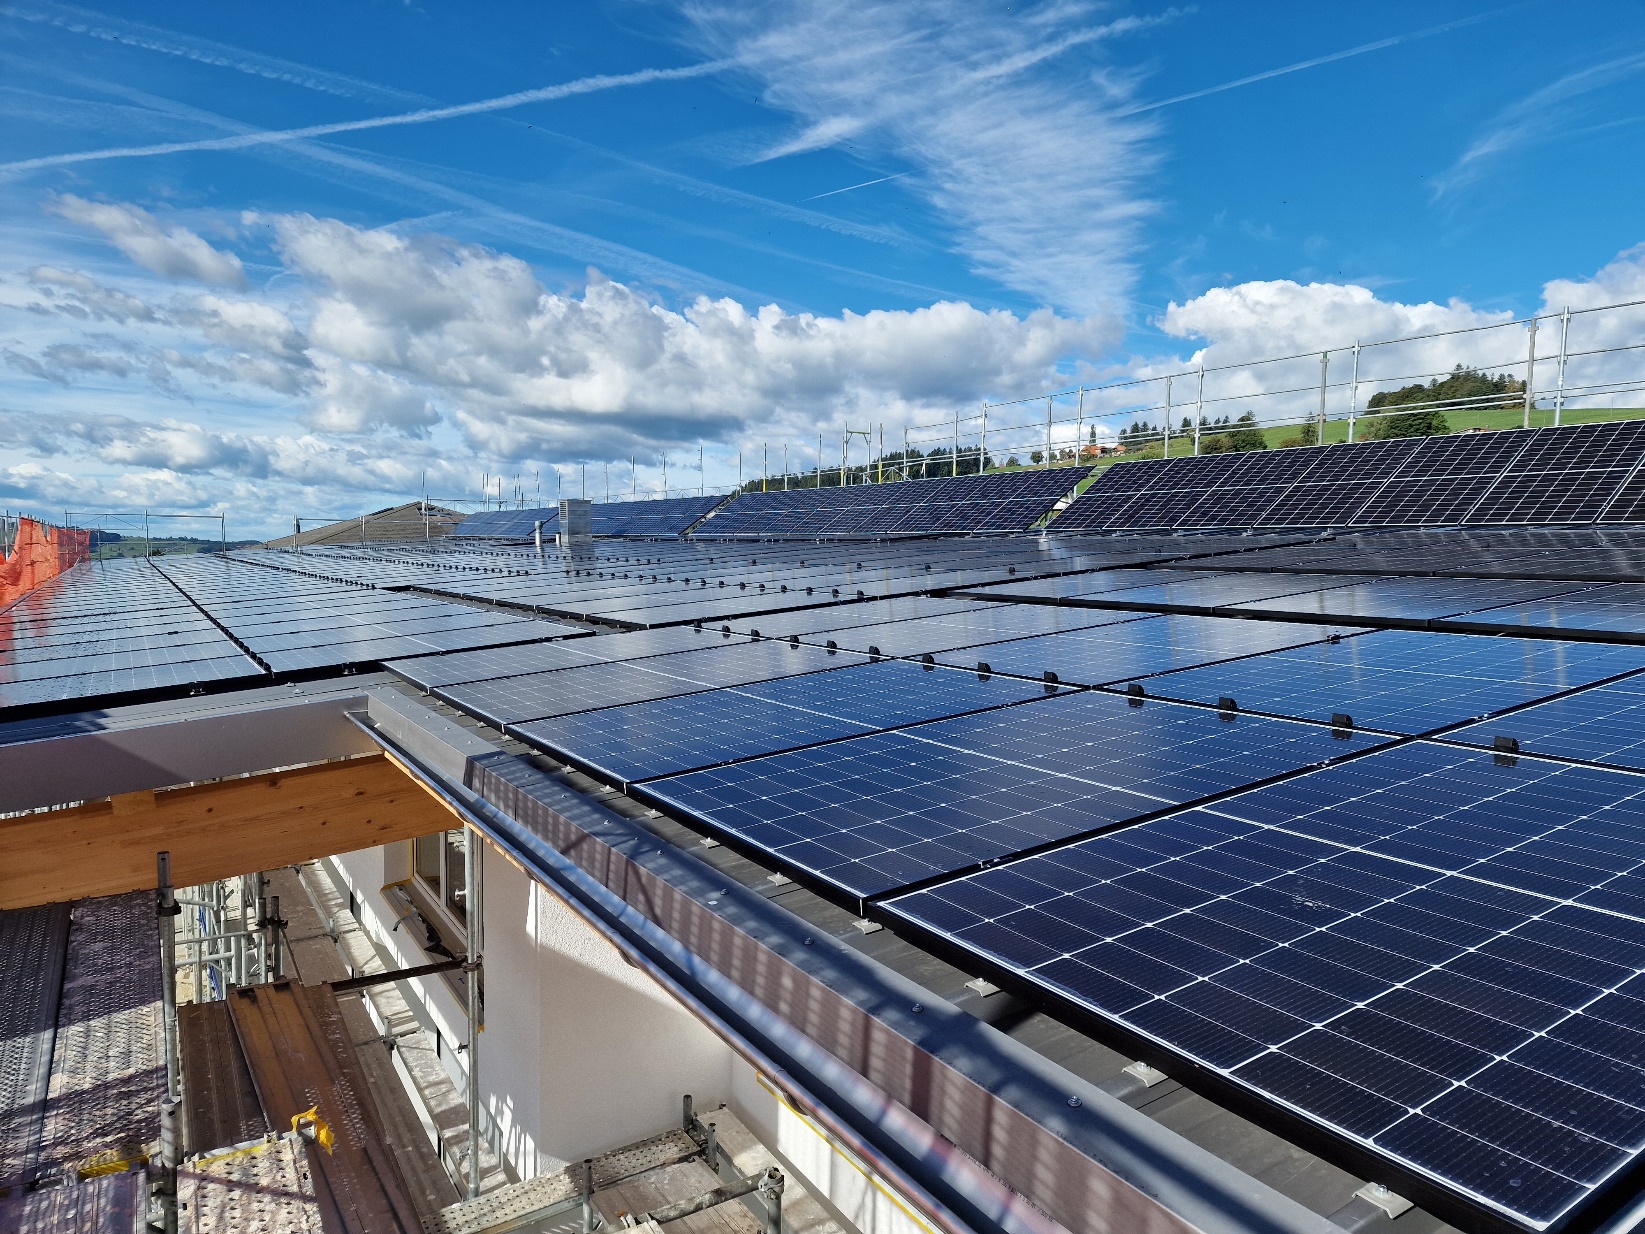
(954, 463)
(771, 1191)
(709, 1199)
(982, 443)
(1324, 377)
(1353, 394)
(277, 965)
(1048, 432)
(474, 912)
(1199, 404)
(1564, 338)
(166, 909)
(588, 1195)
(1530, 372)
(1167, 417)
(1079, 429)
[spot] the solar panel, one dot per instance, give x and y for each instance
(1121, 651)
(871, 814)
(1565, 475)
(999, 501)
(671, 516)
(1164, 588)
(1603, 725)
(1404, 681)
(1404, 599)
(1431, 954)
(1618, 609)
(539, 696)
(658, 738)
(1597, 554)
(1574, 473)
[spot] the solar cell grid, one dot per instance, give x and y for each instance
(1402, 681)
(1616, 608)
(1406, 599)
(1564, 478)
(1001, 501)
(1605, 724)
(871, 814)
(540, 696)
(658, 738)
(1420, 949)
(1121, 651)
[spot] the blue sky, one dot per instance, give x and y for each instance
(717, 225)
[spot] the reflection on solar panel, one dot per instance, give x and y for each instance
(1603, 725)
(703, 730)
(292, 623)
(1002, 501)
(1617, 609)
(872, 814)
(672, 516)
(107, 629)
(1433, 954)
(1139, 648)
(1598, 554)
(1575, 473)
(1405, 599)
(1403, 681)
(561, 692)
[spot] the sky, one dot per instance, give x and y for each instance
(313, 259)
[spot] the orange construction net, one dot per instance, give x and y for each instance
(39, 554)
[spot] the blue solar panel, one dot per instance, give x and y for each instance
(1111, 653)
(652, 739)
(1434, 954)
(539, 696)
(1000, 501)
(1570, 474)
(1403, 681)
(671, 516)
(871, 814)
(1603, 725)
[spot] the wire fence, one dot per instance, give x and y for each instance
(1576, 365)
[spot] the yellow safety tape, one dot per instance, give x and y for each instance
(322, 1129)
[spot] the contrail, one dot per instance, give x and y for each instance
(1318, 60)
(863, 185)
(585, 85)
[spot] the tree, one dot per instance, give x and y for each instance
(1036, 456)
(1466, 389)
(1243, 435)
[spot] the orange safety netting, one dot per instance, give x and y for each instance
(39, 554)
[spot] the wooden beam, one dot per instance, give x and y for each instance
(213, 830)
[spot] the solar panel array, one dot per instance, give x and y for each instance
(1273, 815)
(1001, 501)
(106, 630)
(1583, 473)
(672, 516)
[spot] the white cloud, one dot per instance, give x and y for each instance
(175, 252)
(79, 295)
(356, 398)
(1023, 151)
(609, 372)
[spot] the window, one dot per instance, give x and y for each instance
(440, 874)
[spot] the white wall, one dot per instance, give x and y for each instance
(583, 1052)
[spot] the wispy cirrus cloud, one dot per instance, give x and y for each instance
(1537, 117)
(1024, 152)
(422, 115)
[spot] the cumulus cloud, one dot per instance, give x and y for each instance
(608, 371)
(175, 252)
(356, 398)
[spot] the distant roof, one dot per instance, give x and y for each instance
(412, 521)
